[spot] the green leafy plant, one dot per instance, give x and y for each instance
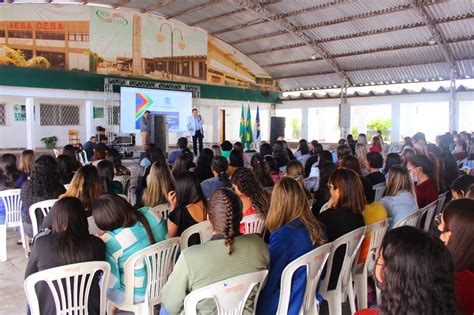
(49, 142)
(384, 125)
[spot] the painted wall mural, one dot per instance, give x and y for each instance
(121, 42)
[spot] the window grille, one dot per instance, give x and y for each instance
(2, 115)
(115, 115)
(59, 115)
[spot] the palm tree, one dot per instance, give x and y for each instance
(18, 58)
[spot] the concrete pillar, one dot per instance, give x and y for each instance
(30, 123)
(304, 123)
(395, 132)
(215, 124)
(89, 108)
(344, 119)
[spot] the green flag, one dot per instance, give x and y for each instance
(242, 126)
(248, 130)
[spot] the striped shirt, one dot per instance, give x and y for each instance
(122, 243)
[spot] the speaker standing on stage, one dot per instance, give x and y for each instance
(195, 127)
(145, 128)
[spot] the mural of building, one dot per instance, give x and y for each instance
(65, 44)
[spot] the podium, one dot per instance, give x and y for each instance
(159, 132)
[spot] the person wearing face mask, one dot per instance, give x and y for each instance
(414, 272)
(421, 169)
(457, 234)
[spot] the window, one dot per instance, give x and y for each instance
(20, 34)
(56, 59)
(185, 68)
(431, 118)
(78, 37)
(323, 124)
(115, 115)
(50, 35)
(370, 118)
(466, 112)
(293, 122)
(2, 115)
(59, 115)
(2, 33)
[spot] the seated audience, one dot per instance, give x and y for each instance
(67, 243)
(100, 153)
(315, 147)
(342, 151)
(266, 149)
(182, 146)
(295, 232)
(226, 147)
(219, 168)
(449, 168)
(419, 143)
(159, 183)
(457, 234)
(216, 150)
(302, 153)
(362, 138)
(240, 147)
(415, 275)
(460, 186)
(361, 154)
(44, 184)
(274, 169)
(146, 162)
(312, 162)
(11, 177)
(255, 199)
(70, 151)
(66, 168)
(227, 255)
(295, 170)
(114, 156)
(391, 160)
(352, 163)
(27, 161)
(407, 143)
(407, 155)
(89, 147)
(105, 170)
(154, 154)
(127, 231)
(280, 154)
(460, 152)
(188, 206)
(351, 143)
(399, 198)
(322, 195)
(343, 214)
(235, 161)
(422, 171)
(261, 170)
(181, 165)
(203, 166)
(374, 164)
(377, 145)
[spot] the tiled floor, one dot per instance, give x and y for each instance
(11, 277)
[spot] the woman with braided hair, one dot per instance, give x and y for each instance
(295, 232)
(255, 198)
(226, 255)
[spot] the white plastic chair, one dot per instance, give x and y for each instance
(410, 220)
(163, 210)
(12, 205)
(56, 153)
(230, 295)
(314, 261)
(204, 229)
(123, 196)
(70, 287)
(334, 297)
(376, 232)
(324, 207)
(429, 210)
(159, 260)
(441, 201)
(83, 158)
(253, 224)
(379, 190)
(311, 183)
(44, 206)
(132, 188)
(125, 181)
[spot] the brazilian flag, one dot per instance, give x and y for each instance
(242, 126)
(248, 130)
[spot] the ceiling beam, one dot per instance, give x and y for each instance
(240, 10)
(289, 14)
(157, 5)
(289, 27)
(334, 22)
(195, 8)
(368, 51)
(120, 4)
(431, 24)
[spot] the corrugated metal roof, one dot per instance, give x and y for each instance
(366, 40)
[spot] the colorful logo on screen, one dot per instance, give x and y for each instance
(143, 103)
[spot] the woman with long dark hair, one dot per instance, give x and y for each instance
(302, 153)
(11, 177)
(255, 198)
(227, 255)
(100, 152)
(66, 168)
(188, 205)
(322, 195)
(236, 160)
(203, 166)
(105, 171)
(295, 232)
(127, 231)
(415, 274)
(423, 173)
(261, 170)
(181, 165)
(114, 156)
(69, 242)
(44, 184)
(457, 234)
(70, 151)
(219, 180)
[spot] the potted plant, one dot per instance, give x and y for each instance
(50, 142)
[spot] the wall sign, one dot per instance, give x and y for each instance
(19, 112)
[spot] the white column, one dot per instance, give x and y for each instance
(344, 119)
(395, 132)
(305, 122)
(30, 123)
(215, 124)
(89, 119)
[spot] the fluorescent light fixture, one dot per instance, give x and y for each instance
(102, 5)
